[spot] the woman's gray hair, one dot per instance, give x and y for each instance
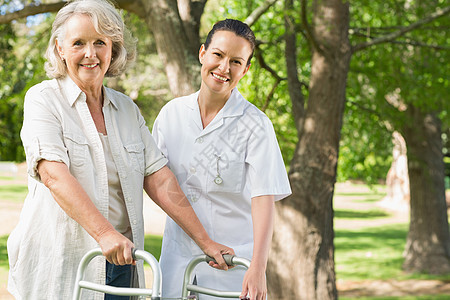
(107, 21)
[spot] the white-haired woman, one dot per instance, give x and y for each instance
(89, 155)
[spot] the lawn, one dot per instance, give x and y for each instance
(12, 192)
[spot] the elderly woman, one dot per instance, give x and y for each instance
(89, 155)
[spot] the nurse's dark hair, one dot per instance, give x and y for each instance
(237, 27)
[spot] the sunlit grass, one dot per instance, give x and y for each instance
(3, 252)
(13, 192)
(360, 214)
(152, 244)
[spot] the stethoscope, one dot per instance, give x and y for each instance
(218, 180)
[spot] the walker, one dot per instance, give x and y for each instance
(155, 292)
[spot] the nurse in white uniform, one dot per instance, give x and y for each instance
(225, 155)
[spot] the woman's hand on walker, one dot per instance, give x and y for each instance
(116, 248)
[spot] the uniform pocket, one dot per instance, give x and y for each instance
(77, 147)
(136, 154)
(226, 172)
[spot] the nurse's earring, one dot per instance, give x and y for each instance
(218, 180)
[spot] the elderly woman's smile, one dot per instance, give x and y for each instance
(86, 52)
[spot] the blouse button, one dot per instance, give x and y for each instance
(194, 199)
(192, 170)
(200, 140)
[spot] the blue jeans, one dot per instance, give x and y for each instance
(119, 276)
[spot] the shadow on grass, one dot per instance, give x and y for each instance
(359, 214)
(374, 253)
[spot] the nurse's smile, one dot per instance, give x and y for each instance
(220, 78)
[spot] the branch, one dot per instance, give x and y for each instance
(270, 95)
(392, 36)
(30, 10)
(254, 16)
(278, 79)
(265, 66)
(409, 42)
(309, 34)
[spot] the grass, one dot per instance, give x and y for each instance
(360, 214)
(3, 252)
(360, 254)
(152, 244)
(13, 192)
(374, 253)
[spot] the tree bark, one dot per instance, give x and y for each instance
(302, 264)
(172, 42)
(428, 243)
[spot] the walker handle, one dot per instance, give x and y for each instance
(227, 257)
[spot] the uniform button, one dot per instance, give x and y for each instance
(192, 170)
(194, 199)
(134, 222)
(200, 140)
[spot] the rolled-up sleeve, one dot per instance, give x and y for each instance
(154, 158)
(41, 132)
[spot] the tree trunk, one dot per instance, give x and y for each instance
(428, 243)
(173, 45)
(302, 257)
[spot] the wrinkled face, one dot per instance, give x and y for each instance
(86, 52)
(224, 63)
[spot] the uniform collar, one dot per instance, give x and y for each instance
(74, 93)
(234, 106)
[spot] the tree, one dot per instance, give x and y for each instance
(410, 86)
(303, 241)
(304, 220)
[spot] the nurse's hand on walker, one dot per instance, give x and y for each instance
(163, 188)
(254, 283)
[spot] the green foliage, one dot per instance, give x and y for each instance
(21, 63)
(145, 81)
(410, 71)
(417, 74)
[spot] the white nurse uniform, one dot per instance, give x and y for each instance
(220, 168)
